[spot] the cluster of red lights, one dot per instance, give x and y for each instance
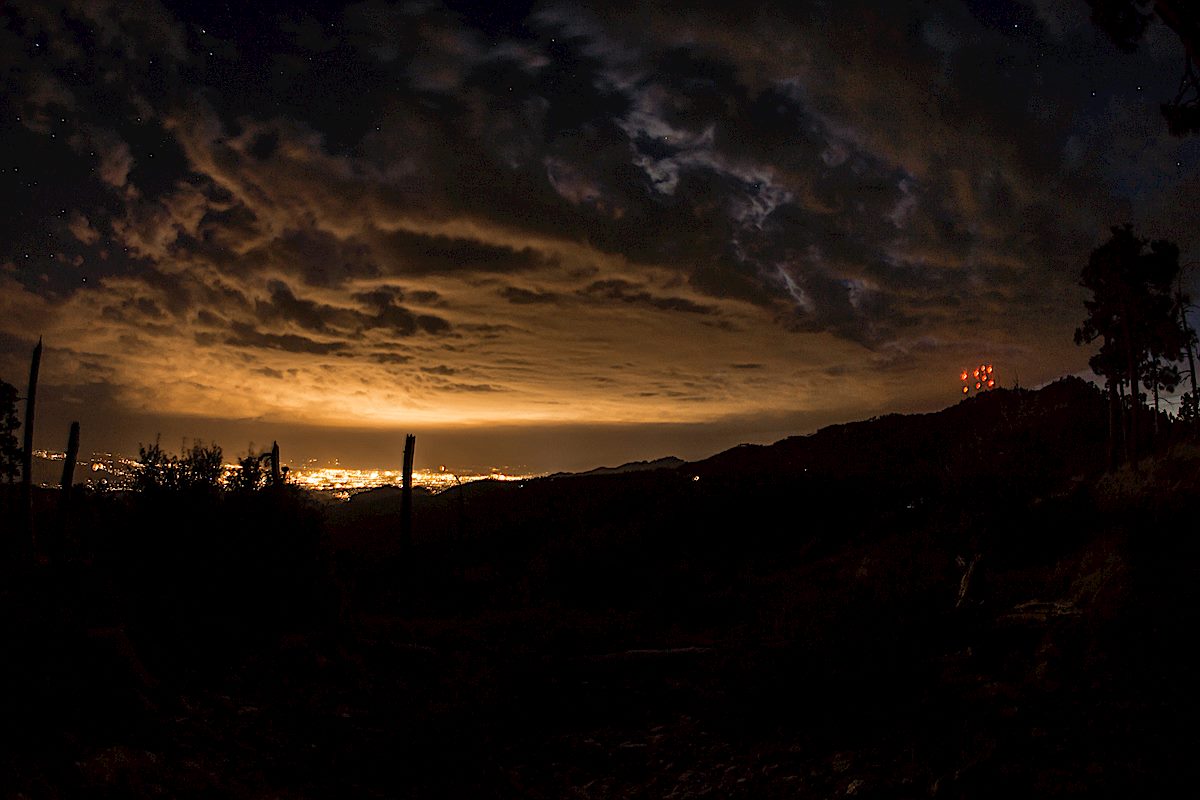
(981, 376)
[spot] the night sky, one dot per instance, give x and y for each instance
(554, 235)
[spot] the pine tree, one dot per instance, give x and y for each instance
(1133, 311)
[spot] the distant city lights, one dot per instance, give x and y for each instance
(116, 472)
(343, 480)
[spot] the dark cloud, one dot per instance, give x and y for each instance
(283, 305)
(417, 254)
(381, 313)
(626, 292)
(403, 322)
(473, 388)
(389, 358)
(385, 313)
(519, 296)
(244, 335)
(512, 191)
(424, 297)
(264, 145)
(208, 319)
(317, 257)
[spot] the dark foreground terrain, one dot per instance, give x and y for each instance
(950, 605)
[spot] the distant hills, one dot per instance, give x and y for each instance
(668, 462)
(1056, 431)
(1059, 429)
(1006, 445)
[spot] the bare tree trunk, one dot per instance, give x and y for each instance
(35, 365)
(68, 473)
(1124, 418)
(410, 446)
(1191, 360)
(1114, 424)
(1154, 434)
(276, 470)
(1187, 343)
(1131, 443)
(1187, 333)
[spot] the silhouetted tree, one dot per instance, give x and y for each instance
(1133, 311)
(251, 473)
(1107, 363)
(1188, 410)
(10, 452)
(1163, 377)
(1183, 303)
(1126, 21)
(156, 469)
(200, 468)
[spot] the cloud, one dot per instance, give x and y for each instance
(134, 31)
(46, 98)
(115, 159)
(520, 296)
(82, 229)
(283, 305)
(245, 335)
(530, 199)
(626, 292)
(385, 313)
(416, 254)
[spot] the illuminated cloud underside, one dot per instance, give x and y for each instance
(396, 215)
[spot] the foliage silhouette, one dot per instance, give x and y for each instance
(1161, 377)
(202, 466)
(1126, 21)
(1183, 304)
(199, 469)
(10, 451)
(252, 473)
(1188, 408)
(1134, 313)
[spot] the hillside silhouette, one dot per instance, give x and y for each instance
(956, 604)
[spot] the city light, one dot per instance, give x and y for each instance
(110, 471)
(982, 376)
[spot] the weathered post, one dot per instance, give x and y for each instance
(68, 473)
(27, 448)
(276, 471)
(410, 445)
